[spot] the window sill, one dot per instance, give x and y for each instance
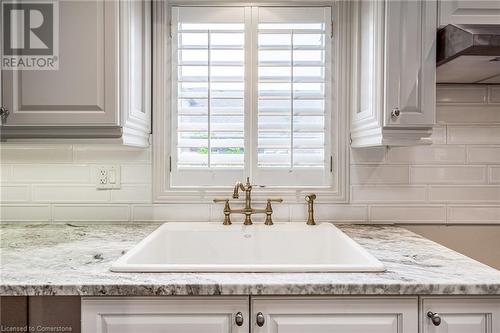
(325, 195)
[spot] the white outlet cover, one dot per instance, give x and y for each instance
(108, 177)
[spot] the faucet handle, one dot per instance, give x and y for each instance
(218, 200)
(269, 210)
(227, 210)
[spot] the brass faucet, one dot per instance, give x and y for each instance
(248, 211)
(310, 208)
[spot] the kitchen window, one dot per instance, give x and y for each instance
(251, 91)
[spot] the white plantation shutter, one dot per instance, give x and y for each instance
(292, 112)
(209, 90)
(251, 94)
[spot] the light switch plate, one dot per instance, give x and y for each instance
(108, 177)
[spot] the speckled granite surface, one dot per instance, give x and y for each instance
(74, 259)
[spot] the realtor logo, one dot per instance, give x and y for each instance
(30, 34)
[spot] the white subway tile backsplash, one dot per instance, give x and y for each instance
(472, 194)
(467, 115)
(474, 214)
(14, 193)
(439, 154)
(25, 213)
(5, 173)
(42, 173)
(413, 214)
(132, 194)
(35, 153)
(91, 213)
(368, 155)
(494, 94)
(379, 174)
(368, 194)
(448, 174)
(473, 135)
(438, 136)
(171, 213)
(69, 193)
(330, 213)
(110, 154)
(483, 154)
(136, 174)
(494, 175)
(454, 180)
(461, 94)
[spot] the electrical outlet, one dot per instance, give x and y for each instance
(108, 177)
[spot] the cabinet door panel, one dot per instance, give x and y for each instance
(165, 323)
(55, 311)
(83, 90)
(410, 62)
(462, 315)
(463, 323)
(326, 315)
(469, 12)
(334, 323)
(165, 315)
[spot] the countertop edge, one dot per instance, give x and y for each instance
(186, 289)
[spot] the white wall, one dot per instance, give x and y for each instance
(456, 180)
(478, 242)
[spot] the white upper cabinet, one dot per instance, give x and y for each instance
(83, 90)
(469, 12)
(460, 315)
(325, 315)
(101, 86)
(394, 65)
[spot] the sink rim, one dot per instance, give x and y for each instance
(372, 265)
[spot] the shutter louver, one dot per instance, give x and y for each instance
(210, 92)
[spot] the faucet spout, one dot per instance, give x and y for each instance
(238, 185)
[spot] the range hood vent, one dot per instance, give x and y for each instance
(468, 54)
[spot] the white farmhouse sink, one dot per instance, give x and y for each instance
(209, 247)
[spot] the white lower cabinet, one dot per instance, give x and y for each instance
(461, 315)
(273, 314)
(328, 315)
(165, 315)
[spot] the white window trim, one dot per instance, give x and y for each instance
(162, 71)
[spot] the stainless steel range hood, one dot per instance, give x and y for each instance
(468, 54)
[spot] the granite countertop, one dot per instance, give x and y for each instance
(74, 259)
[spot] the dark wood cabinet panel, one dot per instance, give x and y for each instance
(55, 312)
(13, 311)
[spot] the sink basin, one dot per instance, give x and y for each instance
(209, 247)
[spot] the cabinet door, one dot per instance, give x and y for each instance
(326, 315)
(469, 12)
(83, 90)
(55, 311)
(410, 63)
(165, 315)
(462, 315)
(13, 313)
